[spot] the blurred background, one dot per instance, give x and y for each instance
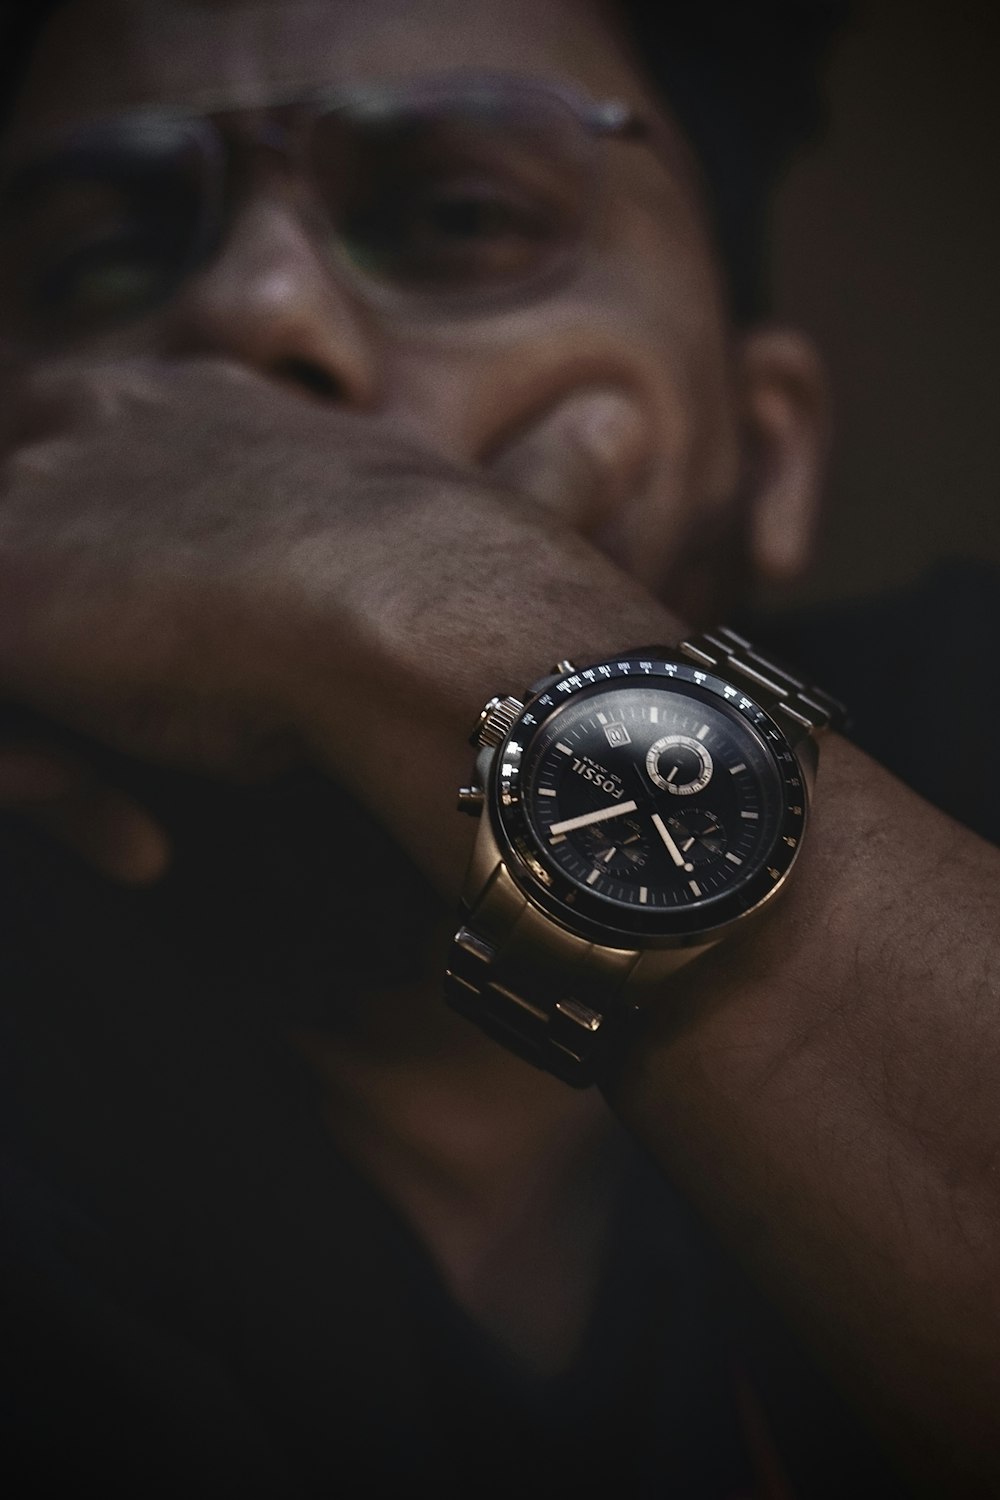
(887, 250)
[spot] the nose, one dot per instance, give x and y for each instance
(271, 300)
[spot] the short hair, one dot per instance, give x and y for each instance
(744, 79)
(746, 82)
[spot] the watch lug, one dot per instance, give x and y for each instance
(654, 965)
(484, 762)
(486, 859)
(561, 669)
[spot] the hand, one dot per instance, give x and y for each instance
(208, 572)
(63, 794)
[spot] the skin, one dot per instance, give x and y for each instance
(439, 525)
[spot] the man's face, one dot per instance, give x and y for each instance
(640, 316)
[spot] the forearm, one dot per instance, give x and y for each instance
(826, 1090)
(824, 1087)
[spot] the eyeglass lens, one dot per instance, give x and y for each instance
(444, 202)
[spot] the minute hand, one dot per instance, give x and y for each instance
(672, 849)
(614, 811)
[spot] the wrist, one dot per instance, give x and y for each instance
(406, 672)
(634, 812)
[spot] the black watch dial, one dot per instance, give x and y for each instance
(654, 803)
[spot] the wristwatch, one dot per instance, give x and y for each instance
(633, 813)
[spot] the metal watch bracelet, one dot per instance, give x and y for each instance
(552, 997)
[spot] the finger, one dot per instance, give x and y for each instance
(113, 834)
(104, 826)
(64, 394)
(49, 401)
(29, 777)
(581, 458)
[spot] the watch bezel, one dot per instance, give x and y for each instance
(586, 913)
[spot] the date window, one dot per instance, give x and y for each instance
(617, 735)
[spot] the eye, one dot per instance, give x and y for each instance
(103, 280)
(454, 232)
(448, 203)
(90, 239)
(472, 211)
(92, 277)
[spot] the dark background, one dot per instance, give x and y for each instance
(887, 250)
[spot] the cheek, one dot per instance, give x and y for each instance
(626, 322)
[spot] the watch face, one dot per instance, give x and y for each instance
(649, 797)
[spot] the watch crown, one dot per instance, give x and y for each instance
(496, 721)
(562, 667)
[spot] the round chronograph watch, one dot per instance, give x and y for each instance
(632, 813)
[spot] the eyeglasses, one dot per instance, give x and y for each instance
(443, 197)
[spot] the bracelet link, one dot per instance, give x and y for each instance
(808, 707)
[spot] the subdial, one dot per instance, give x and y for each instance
(680, 764)
(698, 835)
(620, 848)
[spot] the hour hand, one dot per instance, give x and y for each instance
(614, 811)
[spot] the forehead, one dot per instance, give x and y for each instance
(102, 55)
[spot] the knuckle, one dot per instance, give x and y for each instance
(37, 459)
(70, 391)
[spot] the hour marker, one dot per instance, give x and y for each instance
(564, 748)
(643, 894)
(753, 817)
(594, 875)
(735, 770)
(560, 838)
(654, 718)
(695, 887)
(546, 791)
(734, 859)
(603, 718)
(702, 732)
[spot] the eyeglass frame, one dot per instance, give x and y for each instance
(610, 118)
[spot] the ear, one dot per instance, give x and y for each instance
(786, 429)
